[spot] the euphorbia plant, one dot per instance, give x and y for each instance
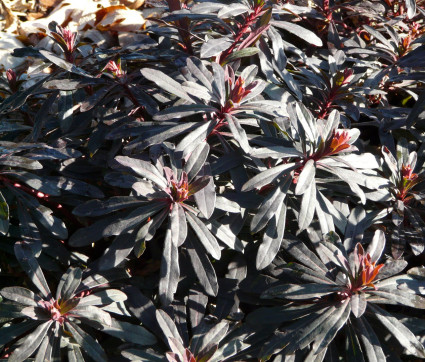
(334, 290)
(405, 197)
(65, 38)
(305, 148)
(183, 193)
(55, 319)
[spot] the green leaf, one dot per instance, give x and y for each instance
(243, 53)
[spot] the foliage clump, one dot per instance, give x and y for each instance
(244, 182)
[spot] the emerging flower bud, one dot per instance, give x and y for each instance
(12, 80)
(367, 270)
(339, 142)
(407, 173)
(115, 69)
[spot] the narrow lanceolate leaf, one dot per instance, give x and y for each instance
(299, 31)
(403, 335)
(182, 111)
(238, 132)
(226, 235)
(170, 271)
(272, 238)
(377, 245)
(136, 217)
(144, 169)
(300, 292)
(165, 82)
(74, 353)
(20, 295)
(268, 176)
(44, 352)
(129, 332)
(214, 47)
(358, 304)
(29, 263)
(21, 162)
(204, 235)
(355, 228)
(178, 225)
(103, 207)
(69, 283)
(30, 343)
(306, 177)
(270, 205)
(298, 250)
(398, 297)
(92, 313)
(370, 341)
(196, 160)
(411, 8)
(205, 198)
(300, 333)
(213, 336)
(325, 338)
(308, 205)
(45, 217)
(168, 326)
(103, 297)
(86, 341)
(202, 267)
(13, 331)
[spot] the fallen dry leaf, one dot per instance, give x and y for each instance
(119, 18)
(10, 18)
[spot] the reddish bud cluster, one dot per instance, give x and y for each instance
(178, 190)
(54, 309)
(67, 40)
(12, 79)
(238, 92)
(367, 270)
(339, 142)
(407, 173)
(115, 69)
